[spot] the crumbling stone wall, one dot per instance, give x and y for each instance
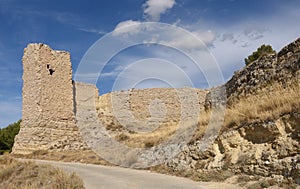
(48, 120)
(86, 98)
(149, 107)
(51, 101)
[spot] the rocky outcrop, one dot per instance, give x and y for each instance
(283, 68)
(268, 148)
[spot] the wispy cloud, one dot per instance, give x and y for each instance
(228, 37)
(237, 41)
(127, 27)
(255, 33)
(68, 18)
(154, 8)
(189, 42)
(171, 36)
(92, 30)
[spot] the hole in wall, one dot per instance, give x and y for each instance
(51, 71)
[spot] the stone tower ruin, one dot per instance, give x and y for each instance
(48, 118)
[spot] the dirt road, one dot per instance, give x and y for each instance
(98, 177)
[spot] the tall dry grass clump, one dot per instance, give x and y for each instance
(268, 104)
(28, 175)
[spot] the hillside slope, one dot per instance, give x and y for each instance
(261, 131)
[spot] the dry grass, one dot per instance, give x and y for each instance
(268, 104)
(269, 182)
(140, 140)
(86, 156)
(28, 175)
(161, 134)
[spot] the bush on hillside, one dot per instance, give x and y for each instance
(7, 136)
(262, 50)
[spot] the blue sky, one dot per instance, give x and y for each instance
(231, 30)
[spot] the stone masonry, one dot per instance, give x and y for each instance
(149, 107)
(48, 120)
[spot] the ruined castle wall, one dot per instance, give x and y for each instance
(48, 120)
(156, 106)
(86, 97)
(55, 110)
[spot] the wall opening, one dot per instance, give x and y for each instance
(51, 71)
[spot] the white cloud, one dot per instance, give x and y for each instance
(228, 37)
(189, 42)
(231, 44)
(154, 8)
(92, 30)
(127, 27)
(154, 64)
(237, 41)
(254, 33)
(180, 41)
(160, 34)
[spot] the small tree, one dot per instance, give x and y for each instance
(262, 50)
(7, 136)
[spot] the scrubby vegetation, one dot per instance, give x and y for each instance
(16, 174)
(268, 104)
(7, 136)
(84, 156)
(262, 50)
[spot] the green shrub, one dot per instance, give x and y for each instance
(255, 186)
(7, 136)
(122, 137)
(149, 144)
(262, 50)
(264, 184)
